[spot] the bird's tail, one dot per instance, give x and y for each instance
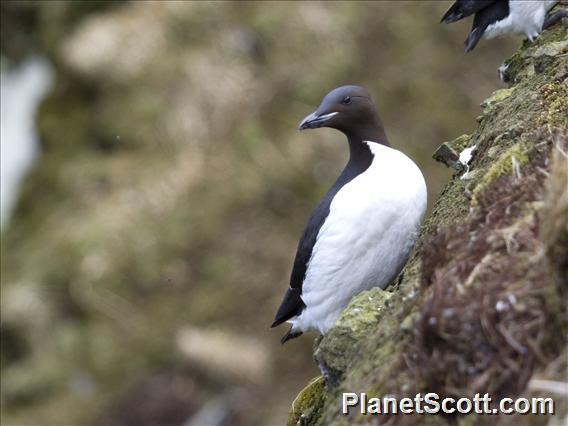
(452, 15)
(473, 38)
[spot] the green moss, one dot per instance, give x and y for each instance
(555, 98)
(516, 156)
(451, 207)
(368, 361)
(460, 143)
(363, 312)
(497, 96)
(539, 57)
(306, 408)
(358, 320)
(554, 48)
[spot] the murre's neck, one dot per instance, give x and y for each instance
(359, 151)
(370, 131)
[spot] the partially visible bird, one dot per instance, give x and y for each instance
(361, 233)
(497, 17)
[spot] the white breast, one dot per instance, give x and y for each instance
(366, 239)
(525, 18)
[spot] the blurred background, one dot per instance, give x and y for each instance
(154, 187)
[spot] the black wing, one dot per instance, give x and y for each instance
(483, 19)
(463, 8)
(292, 303)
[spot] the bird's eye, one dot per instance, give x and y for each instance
(346, 100)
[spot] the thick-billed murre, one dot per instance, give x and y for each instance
(361, 233)
(497, 17)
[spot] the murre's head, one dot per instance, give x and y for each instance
(350, 110)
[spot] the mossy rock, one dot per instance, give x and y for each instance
(510, 162)
(360, 319)
(306, 407)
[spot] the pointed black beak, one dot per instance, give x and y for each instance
(315, 120)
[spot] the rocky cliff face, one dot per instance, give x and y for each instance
(481, 306)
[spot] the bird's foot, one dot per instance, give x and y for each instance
(290, 335)
(554, 18)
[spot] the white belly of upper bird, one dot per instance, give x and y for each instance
(525, 17)
(372, 225)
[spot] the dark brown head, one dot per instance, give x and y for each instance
(350, 110)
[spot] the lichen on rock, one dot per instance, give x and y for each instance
(305, 408)
(341, 344)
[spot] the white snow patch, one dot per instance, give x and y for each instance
(466, 154)
(465, 158)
